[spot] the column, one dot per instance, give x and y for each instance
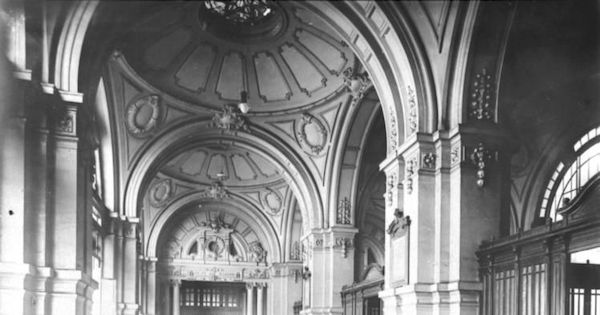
(260, 298)
(130, 257)
(12, 198)
(68, 220)
(478, 195)
(109, 263)
(165, 298)
(249, 299)
(331, 266)
(151, 286)
(175, 302)
(285, 287)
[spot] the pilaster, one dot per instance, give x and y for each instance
(331, 266)
(285, 287)
(130, 260)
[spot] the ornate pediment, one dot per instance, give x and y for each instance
(399, 227)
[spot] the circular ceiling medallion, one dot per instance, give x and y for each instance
(143, 115)
(160, 192)
(311, 133)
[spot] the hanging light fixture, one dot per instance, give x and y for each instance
(240, 11)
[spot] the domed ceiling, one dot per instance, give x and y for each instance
(289, 61)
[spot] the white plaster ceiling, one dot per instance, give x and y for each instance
(292, 61)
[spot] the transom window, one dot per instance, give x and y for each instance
(567, 182)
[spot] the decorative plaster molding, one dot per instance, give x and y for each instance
(296, 251)
(216, 191)
(65, 120)
(412, 110)
(229, 119)
(273, 209)
(480, 157)
(393, 133)
(428, 160)
(160, 193)
(258, 253)
(303, 136)
(356, 83)
(481, 107)
(400, 225)
(455, 155)
(134, 108)
(343, 211)
(411, 164)
(389, 197)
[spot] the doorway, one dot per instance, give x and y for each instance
(212, 298)
(584, 282)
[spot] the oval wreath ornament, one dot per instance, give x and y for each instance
(314, 141)
(133, 111)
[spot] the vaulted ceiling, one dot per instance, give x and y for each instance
(175, 67)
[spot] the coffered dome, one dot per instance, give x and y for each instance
(288, 61)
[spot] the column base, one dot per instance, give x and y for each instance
(14, 298)
(454, 298)
(69, 292)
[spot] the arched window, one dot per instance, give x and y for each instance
(566, 182)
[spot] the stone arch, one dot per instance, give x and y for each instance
(354, 135)
(250, 215)
(197, 131)
(388, 50)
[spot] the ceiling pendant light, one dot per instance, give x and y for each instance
(239, 11)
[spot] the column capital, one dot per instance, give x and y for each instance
(175, 282)
(130, 226)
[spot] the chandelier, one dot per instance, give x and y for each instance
(240, 11)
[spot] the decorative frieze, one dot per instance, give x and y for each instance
(481, 105)
(343, 211)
